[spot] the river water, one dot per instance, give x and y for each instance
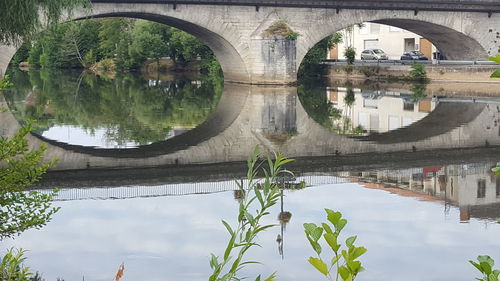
(421, 215)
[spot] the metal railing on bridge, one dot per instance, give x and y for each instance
(138, 191)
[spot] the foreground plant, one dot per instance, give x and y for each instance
(262, 194)
(485, 266)
(344, 262)
(496, 59)
(12, 266)
(19, 168)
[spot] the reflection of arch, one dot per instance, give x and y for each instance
(227, 111)
(447, 33)
(220, 37)
(444, 118)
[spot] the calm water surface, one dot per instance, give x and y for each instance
(422, 223)
(419, 223)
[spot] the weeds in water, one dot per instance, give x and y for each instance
(344, 262)
(261, 194)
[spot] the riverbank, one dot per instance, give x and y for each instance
(449, 73)
(433, 88)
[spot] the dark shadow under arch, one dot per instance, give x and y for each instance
(454, 45)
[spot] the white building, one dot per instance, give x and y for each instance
(392, 40)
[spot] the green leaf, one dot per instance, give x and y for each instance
(316, 234)
(333, 217)
(486, 267)
(229, 229)
(486, 259)
(344, 273)
(476, 265)
(314, 244)
(319, 265)
(358, 252)
(272, 277)
(309, 227)
(349, 241)
(332, 241)
(354, 266)
(341, 224)
(327, 228)
(229, 247)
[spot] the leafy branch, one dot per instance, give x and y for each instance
(262, 194)
(343, 263)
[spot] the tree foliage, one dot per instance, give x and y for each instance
(20, 18)
(129, 43)
(20, 210)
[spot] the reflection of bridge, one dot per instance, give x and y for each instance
(236, 29)
(176, 189)
(273, 118)
(470, 187)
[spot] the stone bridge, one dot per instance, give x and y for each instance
(273, 118)
(236, 29)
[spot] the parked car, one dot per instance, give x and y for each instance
(374, 54)
(413, 55)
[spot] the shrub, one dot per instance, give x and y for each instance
(418, 71)
(350, 55)
(281, 29)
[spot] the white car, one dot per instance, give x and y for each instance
(374, 54)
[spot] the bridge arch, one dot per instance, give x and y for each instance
(219, 36)
(452, 35)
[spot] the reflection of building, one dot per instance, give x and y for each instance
(376, 111)
(392, 40)
(472, 188)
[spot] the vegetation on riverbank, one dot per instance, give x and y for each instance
(113, 44)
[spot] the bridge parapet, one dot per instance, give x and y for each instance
(425, 5)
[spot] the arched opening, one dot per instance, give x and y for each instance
(154, 105)
(450, 43)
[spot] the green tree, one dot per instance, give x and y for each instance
(20, 210)
(310, 65)
(110, 35)
(20, 19)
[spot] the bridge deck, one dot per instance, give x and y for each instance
(489, 6)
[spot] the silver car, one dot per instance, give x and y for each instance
(374, 54)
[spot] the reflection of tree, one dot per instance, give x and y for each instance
(127, 106)
(418, 91)
(335, 119)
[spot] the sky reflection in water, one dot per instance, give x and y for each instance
(170, 238)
